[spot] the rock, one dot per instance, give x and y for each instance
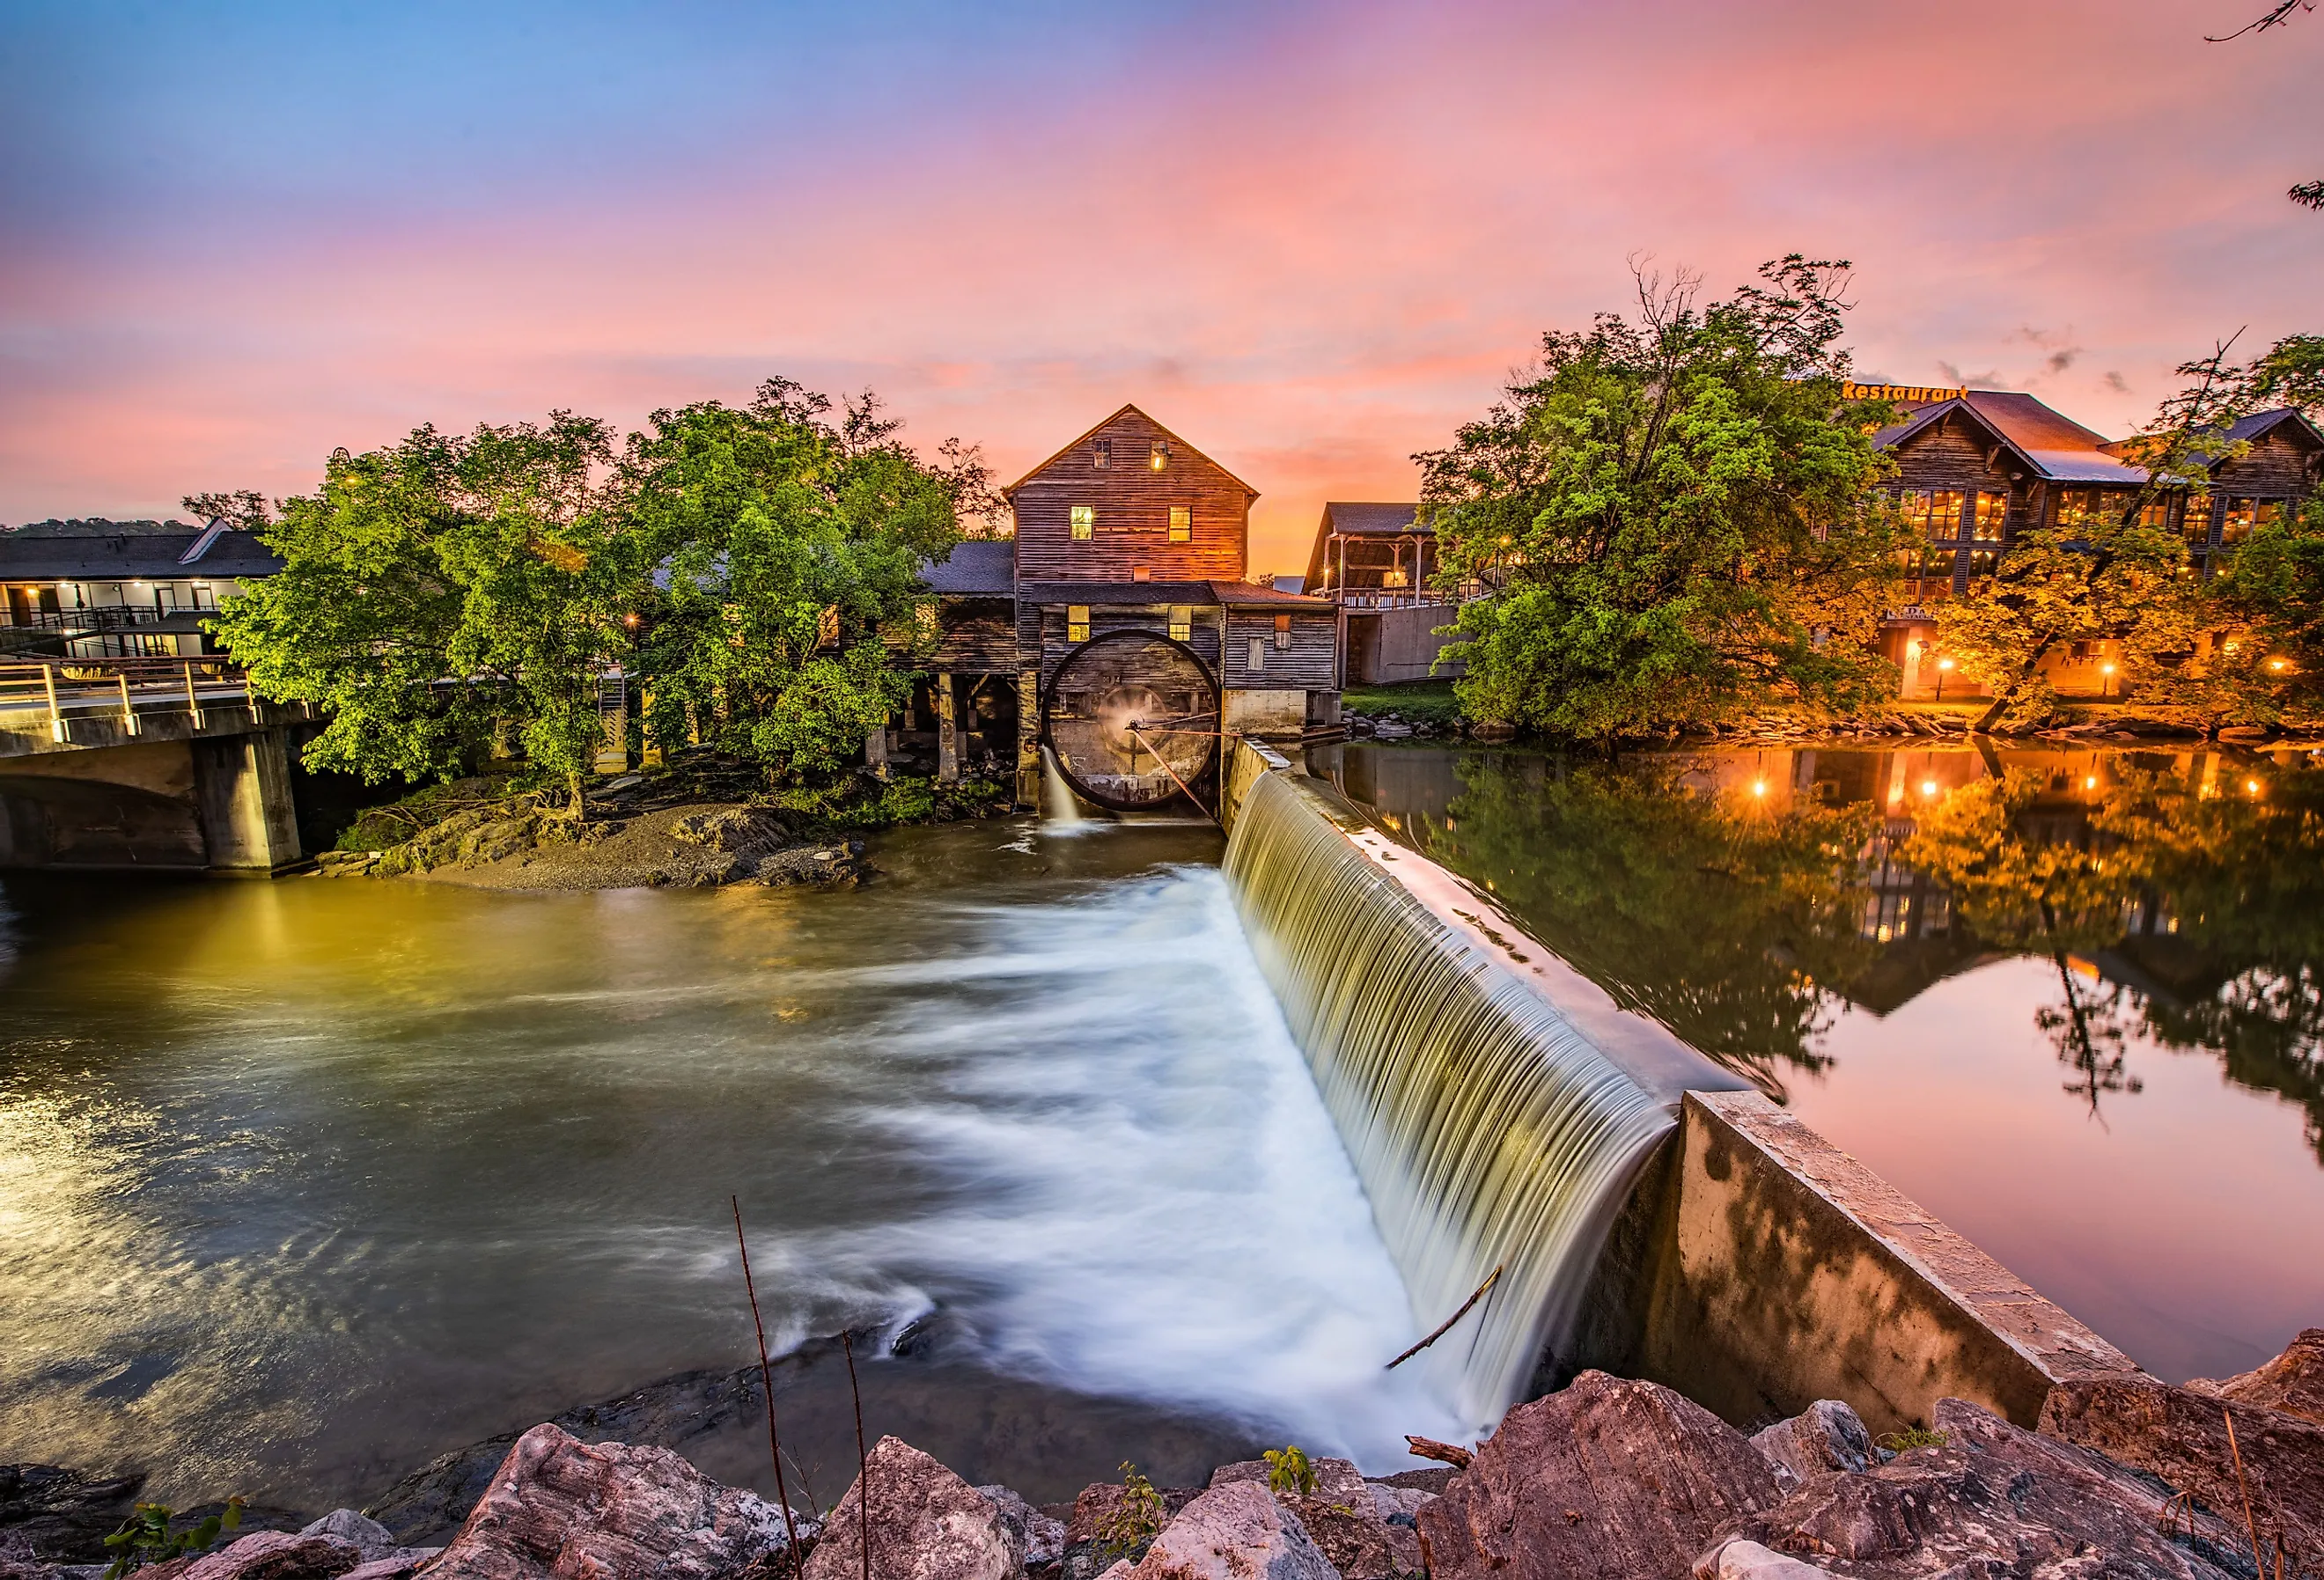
(734, 830)
(1394, 1502)
(1434, 1479)
(1747, 1560)
(1826, 1435)
(926, 1524)
(47, 1511)
(1992, 1500)
(606, 1511)
(2182, 1436)
(275, 1555)
(370, 1538)
(1233, 1532)
(2294, 1383)
(1040, 1537)
(397, 1565)
(1608, 1478)
(1337, 1481)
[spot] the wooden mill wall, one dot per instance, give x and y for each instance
(1132, 502)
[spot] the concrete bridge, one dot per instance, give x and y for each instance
(152, 763)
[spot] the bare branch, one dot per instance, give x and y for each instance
(2277, 16)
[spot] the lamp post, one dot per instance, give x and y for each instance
(2105, 680)
(1943, 665)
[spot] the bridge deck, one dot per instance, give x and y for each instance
(58, 704)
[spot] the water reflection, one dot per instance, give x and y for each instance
(2070, 1000)
(1741, 897)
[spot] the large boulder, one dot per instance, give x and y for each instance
(1991, 1499)
(2182, 1436)
(1826, 1435)
(1233, 1532)
(578, 1510)
(1609, 1479)
(273, 1555)
(926, 1524)
(1039, 1538)
(2294, 1383)
(49, 1512)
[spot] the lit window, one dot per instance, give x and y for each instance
(1257, 657)
(2092, 507)
(1981, 561)
(1182, 523)
(1182, 624)
(2195, 520)
(1102, 455)
(1933, 512)
(1283, 631)
(1159, 455)
(1084, 522)
(2156, 513)
(1992, 513)
(2244, 514)
(1077, 622)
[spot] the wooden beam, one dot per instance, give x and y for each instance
(947, 734)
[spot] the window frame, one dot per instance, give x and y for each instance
(1181, 521)
(1077, 623)
(1080, 522)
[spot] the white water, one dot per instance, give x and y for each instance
(1061, 810)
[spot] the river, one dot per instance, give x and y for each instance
(2071, 1000)
(303, 1183)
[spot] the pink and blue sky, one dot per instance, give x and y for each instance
(1311, 237)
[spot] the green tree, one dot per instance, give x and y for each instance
(1672, 517)
(786, 550)
(440, 588)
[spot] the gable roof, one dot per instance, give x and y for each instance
(1368, 519)
(1010, 493)
(2260, 424)
(2049, 443)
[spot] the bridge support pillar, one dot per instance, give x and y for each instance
(243, 799)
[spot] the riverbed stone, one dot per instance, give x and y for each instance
(275, 1555)
(2294, 1383)
(371, 1539)
(1826, 1435)
(1747, 1560)
(1040, 1537)
(1234, 1532)
(2182, 1436)
(926, 1524)
(606, 1511)
(1992, 1499)
(1609, 1479)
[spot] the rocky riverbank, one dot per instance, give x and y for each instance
(1608, 1480)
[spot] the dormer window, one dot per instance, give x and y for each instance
(1182, 523)
(1102, 455)
(1084, 522)
(1159, 455)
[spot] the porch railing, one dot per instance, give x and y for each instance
(57, 691)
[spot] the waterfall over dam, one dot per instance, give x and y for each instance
(1497, 1107)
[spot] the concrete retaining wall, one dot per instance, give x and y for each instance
(1389, 645)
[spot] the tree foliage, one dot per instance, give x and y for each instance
(437, 588)
(786, 550)
(1672, 517)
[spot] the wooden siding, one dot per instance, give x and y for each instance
(1203, 638)
(979, 637)
(1307, 665)
(2277, 467)
(1133, 503)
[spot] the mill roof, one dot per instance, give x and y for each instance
(979, 568)
(1010, 493)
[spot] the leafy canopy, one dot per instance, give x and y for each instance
(1672, 517)
(435, 588)
(786, 550)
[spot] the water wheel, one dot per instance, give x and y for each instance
(1133, 718)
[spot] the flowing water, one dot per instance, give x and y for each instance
(304, 1182)
(2071, 1000)
(1495, 1141)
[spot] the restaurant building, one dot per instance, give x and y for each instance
(121, 589)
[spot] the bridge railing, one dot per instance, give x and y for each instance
(66, 689)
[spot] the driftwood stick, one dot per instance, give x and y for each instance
(862, 1459)
(2259, 1561)
(1491, 1278)
(767, 1380)
(1450, 1454)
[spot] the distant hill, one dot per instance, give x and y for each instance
(97, 527)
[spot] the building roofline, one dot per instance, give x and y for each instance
(1010, 493)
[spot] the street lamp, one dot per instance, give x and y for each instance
(1943, 665)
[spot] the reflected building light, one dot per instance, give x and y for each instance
(2251, 786)
(1758, 787)
(2091, 782)
(1928, 786)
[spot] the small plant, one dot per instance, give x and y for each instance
(1289, 1470)
(1136, 1520)
(1912, 1437)
(145, 1538)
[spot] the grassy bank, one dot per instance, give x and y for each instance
(1413, 701)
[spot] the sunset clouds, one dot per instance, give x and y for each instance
(1310, 237)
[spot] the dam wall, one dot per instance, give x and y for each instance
(1637, 1209)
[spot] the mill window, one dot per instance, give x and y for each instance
(1182, 624)
(1159, 456)
(1182, 523)
(1077, 622)
(1283, 632)
(1102, 453)
(1256, 659)
(1084, 520)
